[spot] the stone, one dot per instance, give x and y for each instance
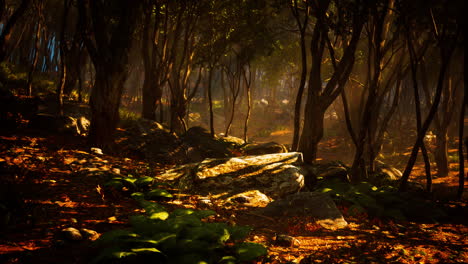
(89, 234)
(392, 173)
(335, 172)
(264, 148)
(214, 167)
(286, 241)
(202, 145)
(313, 204)
(253, 198)
(178, 172)
(275, 175)
(83, 125)
(149, 140)
(233, 141)
(71, 234)
(97, 151)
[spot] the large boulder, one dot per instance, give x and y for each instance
(312, 204)
(325, 171)
(201, 145)
(275, 175)
(264, 148)
(149, 140)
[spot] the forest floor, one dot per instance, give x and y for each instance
(46, 179)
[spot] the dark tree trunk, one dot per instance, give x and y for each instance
(440, 154)
(105, 102)
(247, 82)
(461, 124)
(63, 66)
(35, 58)
(109, 51)
(414, 62)
(298, 104)
(8, 27)
(445, 58)
(210, 101)
(312, 132)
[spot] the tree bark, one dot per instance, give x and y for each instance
(298, 104)
(247, 82)
(109, 51)
(210, 101)
(445, 56)
(35, 58)
(8, 28)
(461, 124)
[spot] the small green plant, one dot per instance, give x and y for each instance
(180, 236)
(125, 114)
(382, 202)
(453, 157)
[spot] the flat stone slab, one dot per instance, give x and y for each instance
(214, 167)
(275, 175)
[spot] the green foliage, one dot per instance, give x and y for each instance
(180, 236)
(157, 193)
(249, 251)
(453, 157)
(126, 114)
(382, 202)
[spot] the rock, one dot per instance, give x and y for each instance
(326, 171)
(233, 141)
(215, 167)
(392, 173)
(142, 126)
(89, 234)
(83, 125)
(202, 145)
(338, 172)
(150, 140)
(178, 172)
(314, 204)
(264, 148)
(286, 241)
(97, 151)
(253, 198)
(275, 175)
(71, 234)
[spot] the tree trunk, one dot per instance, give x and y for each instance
(440, 154)
(461, 124)
(35, 58)
(210, 101)
(312, 132)
(63, 66)
(105, 102)
(247, 83)
(8, 28)
(445, 57)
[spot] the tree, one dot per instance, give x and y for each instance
(8, 28)
(320, 96)
(446, 34)
(108, 33)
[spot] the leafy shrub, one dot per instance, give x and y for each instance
(180, 236)
(382, 202)
(177, 237)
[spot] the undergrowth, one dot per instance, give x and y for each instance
(180, 236)
(381, 202)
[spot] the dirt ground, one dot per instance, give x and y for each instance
(46, 178)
